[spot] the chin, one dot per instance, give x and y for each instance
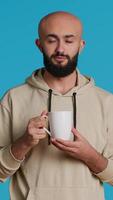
(61, 64)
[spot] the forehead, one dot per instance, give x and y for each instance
(61, 25)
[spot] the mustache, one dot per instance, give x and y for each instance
(60, 54)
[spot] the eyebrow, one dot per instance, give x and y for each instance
(52, 35)
(65, 36)
(70, 36)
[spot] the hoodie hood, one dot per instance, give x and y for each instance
(83, 83)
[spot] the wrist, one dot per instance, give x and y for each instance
(20, 148)
(97, 162)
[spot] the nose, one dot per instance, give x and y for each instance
(60, 47)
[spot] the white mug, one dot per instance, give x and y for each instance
(61, 123)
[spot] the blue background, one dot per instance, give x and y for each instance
(19, 56)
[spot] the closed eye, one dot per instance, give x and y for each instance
(51, 41)
(69, 41)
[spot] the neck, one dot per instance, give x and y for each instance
(61, 85)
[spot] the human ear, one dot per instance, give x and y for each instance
(82, 45)
(38, 44)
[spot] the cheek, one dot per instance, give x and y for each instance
(48, 50)
(74, 49)
(72, 52)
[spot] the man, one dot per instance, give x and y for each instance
(60, 170)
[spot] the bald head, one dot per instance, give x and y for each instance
(63, 20)
(60, 42)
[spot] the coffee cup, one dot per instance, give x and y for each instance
(61, 123)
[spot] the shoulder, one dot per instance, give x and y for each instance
(104, 96)
(17, 95)
(102, 92)
(18, 90)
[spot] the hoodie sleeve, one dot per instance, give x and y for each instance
(107, 174)
(8, 164)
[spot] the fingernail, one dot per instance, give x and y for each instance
(53, 139)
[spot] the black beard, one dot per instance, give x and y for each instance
(58, 70)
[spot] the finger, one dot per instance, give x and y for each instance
(40, 131)
(40, 120)
(38, 137)
(39, 125)
(61, 146)
(66, 143)
(41, 136)
(44, 114)
(36, 131)
(76, 133)
(36, 124)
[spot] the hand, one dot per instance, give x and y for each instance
(35, 131)
(82, 150)
(33, 134)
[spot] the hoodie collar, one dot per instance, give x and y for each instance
(83, 82)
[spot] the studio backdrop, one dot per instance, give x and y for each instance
(19, 55)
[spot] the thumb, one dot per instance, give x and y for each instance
(75, 133)
(44, 114)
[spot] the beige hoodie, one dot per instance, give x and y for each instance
(47, 173)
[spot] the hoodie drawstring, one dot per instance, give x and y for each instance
(49, 110)
(74, 112)
(49, 101)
